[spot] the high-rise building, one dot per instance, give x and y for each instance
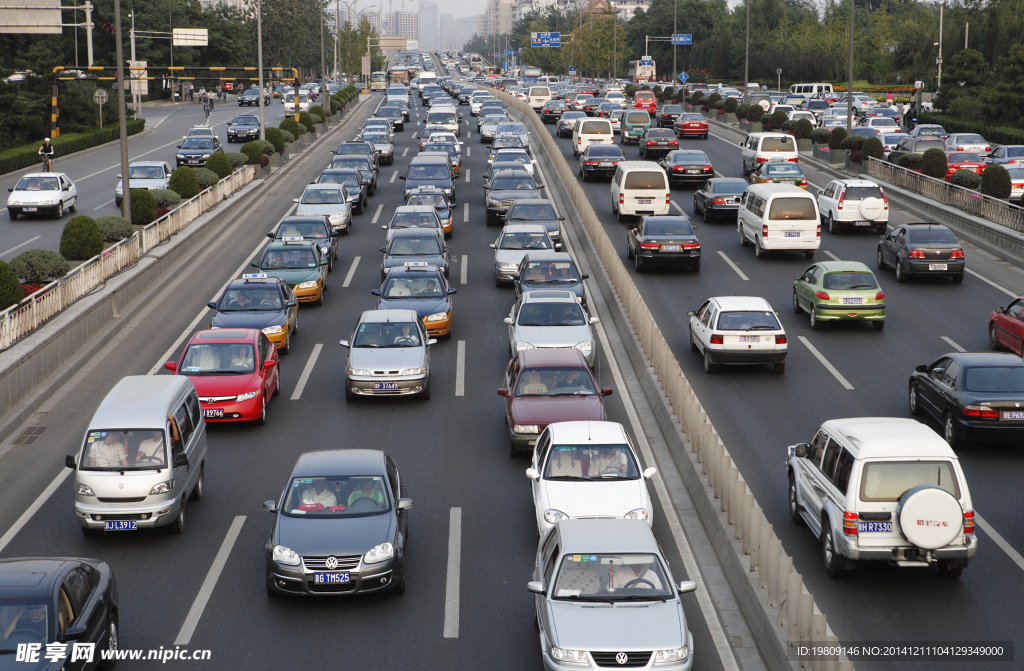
(429, 37)
(447, 33)
(497, 20)
(401, 23)
(373, 16)
(464, 30)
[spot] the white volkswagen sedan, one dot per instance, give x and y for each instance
(738, 330)
(587, 470)
(43, 193)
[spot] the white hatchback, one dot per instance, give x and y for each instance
(43, 193)
(738, 330)
(587, 470)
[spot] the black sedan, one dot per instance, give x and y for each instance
(307, 227)
(340, 526)
(552, 111)
(357, 185)
(664, 241)
(414, 247)
(424, 289)
(249, 97)
(667, 116)
(719, 196)
(394, 115)
(976, 396)
(657, 142)
(686, 166)
(599, 160)
(506, 187)
(243, 128)
(920, 250)
(567, 122)
(57, 601)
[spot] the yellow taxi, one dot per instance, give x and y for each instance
(301, 264)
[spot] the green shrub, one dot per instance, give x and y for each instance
(967, 109)
(819, 136)
(276, 138)
(305, 119)
(81, 239)
(253, 152)
(220, 164)
(697, 98)
(836, 137)
(116, 228)
(335, 106)
(730, 105)
(317, 110)
(713, 98)
(237, 158)
(755, 114)
(184, 182)
(656, 90)
(288, 136)
(266, 146)
(852, 142)
(965, 178)
(206, 178)
(40, 266)
(802, 129)
(995, 182)
(910, 161)
(778, 118)
(933, 163)
(873, 147)
(165, 198)
(143, 207)
(631, 89)
(11, 292)
(741, 111)
(717, 105)
(27, 156)
(292, 126)
(993, 134)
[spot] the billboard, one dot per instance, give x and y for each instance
(392, 42)
(31, 16)
(191, 37)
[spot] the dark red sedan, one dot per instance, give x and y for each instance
(1006, 327)
(690, 124)
(548, 385)
(963, 160)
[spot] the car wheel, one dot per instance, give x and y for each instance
(425, 394)
(915, 401)
(879, 325)
(618, 216)
(794, 508)
(946, 569)
(828, 554)
(320, 301)
(796, 303)
(693, 345)
(272, 592)
(262, 419)
(709, 367)
(74, 206)
(629, 251)
(993, 337)
(287, 347)
(879, 260)
(949, 432)
(833, 227)
(815, 323)
(696, 267)
(277, 382)
(759, 251)
(349, 396)
(958, 278)
(14, 215)
(60, 210)
(900, 275)
(513, 451)
(398, 587)
(112, 643)
(178, 525)
(743, 239)
(583, 174)
(638, 263)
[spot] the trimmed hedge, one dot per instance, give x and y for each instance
(288, 136)
(184, 182)
(292, 126)
(933, 163)
(713, 98)
(237, 158)
(11, 292)
(993, 134)
(253, 152)
(730, 105)
(115, 228)
(266, 146)
(819, 136)
(317, 110)
(910, 161)
(316, 118)
(965, 178)
(741, 111)
(143, 207)
(165, 198)
(835, 138)
(63, 145)
(276, 138)
(873, 147)
(853, 142)
(306, 119)
(81, 239)
(755, 114)
(220, 164)
(40, 266)
(802, 129)
(995, 182)
(206, 178)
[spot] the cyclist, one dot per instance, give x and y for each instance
(46, 151)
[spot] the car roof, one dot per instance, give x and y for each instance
(516, 172)
(594, 536)
(989, 358)
(27, 577)
(388, 316)
(323, 186)
(146, 163)
(872, 437)
(413, 208)
(544, 357)
(412, 232)
(531, 201)
(139, 401)
(587, 432)
(524, 228)
(916, 226)
(408, 271)
(327, 462)
(549, 256)
(840, 266)
(857, 182)
(231, 335)
(549, 296)
(740, 303)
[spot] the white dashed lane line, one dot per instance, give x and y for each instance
(31, 240)
(451, 590)
(297, 394)
(376, 215)
(465, 213)
(825, 362)
(351, 272)
(733, 266)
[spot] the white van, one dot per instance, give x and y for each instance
(761, 148)
(639, 188)
(591, 131)
(810, 89)
(537, 96)
(778, 218)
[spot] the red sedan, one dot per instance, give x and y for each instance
(234, 370)
(428, 131)
(691, 124)
(963, 160)
(1006, 327)
(548, 385)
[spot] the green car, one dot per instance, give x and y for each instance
(839, 291)
(634, 125)
(779, 172)
(302, 266)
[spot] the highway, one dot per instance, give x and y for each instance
(846, 370)
(451, 450)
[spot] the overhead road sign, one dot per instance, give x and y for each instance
(509, 53)
(646, 60)
(31, 16)
(392, 42)
(191, 37)
(542, 40)
(682, 39)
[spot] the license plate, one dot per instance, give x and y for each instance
(750, 338)
(693, 172)
(853, 301)
(643, 201)
(661, 143)
(936, 266)
(1013, 415)
(776, 158)
(213, 412)
(385, 385)
(874, 527)
(862, 223)
(330, 578)
(31, 209)
(792, 234)
(120, 525)
(193, 161)
(670, 248)
(606, 164)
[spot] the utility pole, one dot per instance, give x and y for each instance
(849, 89)
(675, 4)
(259, 51)
(938, 79)
(323, 65)
(746, 60)
(88, 31)
(126, 194)
(967, 27)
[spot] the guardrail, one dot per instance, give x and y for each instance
(785, 589)
(970, 201)
(34, 310)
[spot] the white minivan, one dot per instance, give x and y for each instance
(778, 218)
(639, 188)
(810, 89)
(591, 131)
(761, 148)
(537, 96)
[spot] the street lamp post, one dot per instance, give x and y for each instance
(126, 194)
(259, 51)
(746, 60)
(849, 89)
(675, 4)
(323, 62)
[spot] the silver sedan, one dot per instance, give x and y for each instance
(389, 355)
(513, 244)
(550, 319)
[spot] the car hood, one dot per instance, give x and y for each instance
(399, 261)
(254, 319)
(513, 194)
(305, 209)
(509, 255)
(224, 385)
(605, 498)
(385, 358)
(298, 276)
(424, 307)
(35, 196)
(440, 183)
(548, 409)
(142, 184)
(338, 537)
(552, 336)
(643, 625)
(575, 287)
(197, 152)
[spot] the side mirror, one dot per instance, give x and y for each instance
(404, 504)
(180, 459)
(75, 633)
(532, 473)
(290, 304)
(343, 343)
(255, 264)
(119, 175)
(452, 290)
(560, 218)
(375, 292)
(540, 186)
(171, 366)
(606, 391)
(503, 392)
(69, 461)
(584, 276)
(324, 262)
(798, 277)
(594, 320)
(509, 321)
(401, 177)
(212, 305)
(687, 586)
(271, 235)
(179, 146)
(493, 246)
(432, 341)
(537, 587)
(800, 449)
(268, 364)
(649, 472)
(740, 143)
(270, 506)
(922, 368)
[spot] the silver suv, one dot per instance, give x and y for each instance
(853, 203)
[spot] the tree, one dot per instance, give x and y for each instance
(967, 75)
(1004, 102)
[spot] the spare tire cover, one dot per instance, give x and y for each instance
(765, 104)
(930, 517)
(872, 208)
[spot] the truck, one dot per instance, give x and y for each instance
(531, 74)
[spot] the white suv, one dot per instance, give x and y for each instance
(883, 489)
(853, 203)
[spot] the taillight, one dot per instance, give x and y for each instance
(764, 231)
(649, 245)
(885, 201)
(880, 296)
(708, 168)
(917, 254)
(668, 198)
(959, 148)
(769, 180)
(650, 142)
(675, 142)
(817, 231)
(622, 197)
(850, 523)
(842, 196)
(761, 159)
(718, 201)
(579, 140)
(691, 245)
(957, 254)
(803, 181)
(987, 148)
(980, 412)
(968, 521)
(591, 162)
(794, 160)
(716, 339)
(781, 340)
(676, 168)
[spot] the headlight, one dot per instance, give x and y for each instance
(382, 552)
(161, 488)
(180, 155)
(437, 317)
(552, 516)
(520, 346)
(48, 202)
(507, 266)
(420, 370)
(571, 656)
(307, 285)
(584, 346)
(117, 189)
(674, 655)
(324, 250)
(248, 395)
(286, 556)
(359, 371)
(525, 428)
(447, 192)
(638, 514)
(85, 490)
(272, 329)
(491, 202)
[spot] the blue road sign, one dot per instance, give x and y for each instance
(545, 40)
(683, 40)
(572, 69)
(509, 53)
(646, 60)
(683, 77)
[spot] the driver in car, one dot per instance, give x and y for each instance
(639, 576)
(151, 449)
(407, 337)
(30, 619)
(367, 489)
(610, 459)
(319, 493)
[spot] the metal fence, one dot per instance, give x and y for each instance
(993, 209)
(18, 321)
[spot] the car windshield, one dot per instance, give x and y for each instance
(246, 120)
(414, 220)
(446, 147)
(1014, 151)
(930, 130)
(124, 450)
(197, 143)
(550, 272)
(849, 280)
(346, 179)
(524, 241)
(889, 480)
(391, 334)
(607, 577)
(520, 157)
(792, 208)
(672, 109)
(551, 314)
(752, 320)
(38, 184)
(145, 172)
(506, 142)
(513, 184)
(323, 197)
(654, 133)
(932, 236)
(299, 258)
(531, 212)
(33, 622)
(360, 149)
(251, 298)
(591, 462)
(964, 157)
(418, 246)
(302, 229)
(442, 117)
(568, 381)
(784, 169)
(376, 138)
(646, 179)
(357, 162)
(431, 199)
(428, 172)
(218, 359)
(511, 128)
(494, 119)
(638, 117)
(1015, 173)
(728, 187)
(667, 226)
(691, 117)
(996, 380)
(337, 496)
(426, 286)
(776, 144)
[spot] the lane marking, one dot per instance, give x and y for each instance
(467, 175)
(460, 369)
(136, 157)
(376, 215)
(991, 283)
(31, 510)
(31, 240)
(825, 362)
(297, 394)
(733, 265)
(465, 213)
(394, 176)
(451, 589)
(405, 151)
(1000, 541)
(676, 205)
(465, 268)
(469, 152)
(949, 340)
(351, 272)
(102, 205)
(192, 619)
(834, 257)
